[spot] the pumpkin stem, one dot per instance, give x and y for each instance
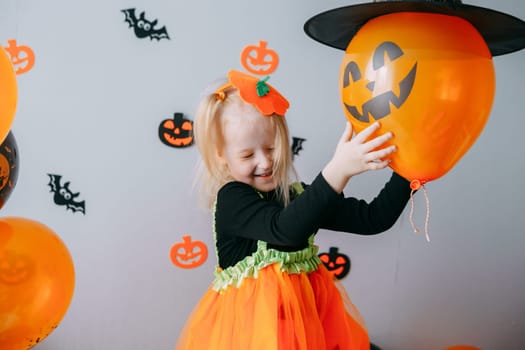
(262, 88)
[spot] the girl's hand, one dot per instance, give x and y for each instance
(354, 155)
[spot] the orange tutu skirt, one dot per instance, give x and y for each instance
(276, 310)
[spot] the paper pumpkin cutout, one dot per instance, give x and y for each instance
(22, 56)
(176, 132)
(188, 254)
(259, 59)
(338, 264)
(429, 79)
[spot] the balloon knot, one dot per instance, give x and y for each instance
(415, 185)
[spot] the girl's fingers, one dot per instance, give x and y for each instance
(380, 154)
(378, 141)
(365, 133)
(378, 165)
(347, 133)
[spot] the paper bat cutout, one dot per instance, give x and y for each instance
(64, 196)
(144, 28)
(297, 145)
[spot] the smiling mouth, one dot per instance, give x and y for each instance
(264, 174)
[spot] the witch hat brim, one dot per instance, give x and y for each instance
(503, 33)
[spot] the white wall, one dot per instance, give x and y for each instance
(90, 108)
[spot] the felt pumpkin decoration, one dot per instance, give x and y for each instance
(188, 254)
(8, 167)
(8, 98)
(22, 57)
(259, 59)
(37, 279)
(176, 132)
(337, 263)
(429, 79)
(257, 92)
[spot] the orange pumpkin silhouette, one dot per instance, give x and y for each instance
(22, 56)
(188, 254)
(259, 59)
(428, 78)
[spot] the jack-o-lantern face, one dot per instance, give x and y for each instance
(337, 263)
(384, 85)
(22, 57)
(430, 86)
(14, 268)
(188, 254)
(259, 59)
(176, 132)
(5, 171)
(8, 167)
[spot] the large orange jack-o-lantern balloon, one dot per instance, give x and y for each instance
(37, 279)
(428, 78)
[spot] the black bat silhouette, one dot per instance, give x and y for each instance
(297, 145)
(144, 28)
(64, 196)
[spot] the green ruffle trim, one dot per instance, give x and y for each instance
(305, 260)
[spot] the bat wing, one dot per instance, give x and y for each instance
(131, 19)
(54, 182)
(158, 34)
(297, 144)
(77, 206)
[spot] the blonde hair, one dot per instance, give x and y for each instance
(208, 135)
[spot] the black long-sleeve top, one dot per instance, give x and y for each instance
(243, 216)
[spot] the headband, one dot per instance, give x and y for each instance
(256, 92)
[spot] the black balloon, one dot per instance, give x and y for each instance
(8, 167)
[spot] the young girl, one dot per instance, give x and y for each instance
(271, 290)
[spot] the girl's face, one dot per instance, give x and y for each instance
(249, 139)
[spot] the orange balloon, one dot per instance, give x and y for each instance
(8, 94)
(427, 78)
(461, 347)
(37, 279)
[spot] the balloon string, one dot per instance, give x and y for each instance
(416, 230)
(427, 216)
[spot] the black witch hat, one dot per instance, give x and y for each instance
(502, 32)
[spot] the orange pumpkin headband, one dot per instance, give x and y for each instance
(256, 92)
